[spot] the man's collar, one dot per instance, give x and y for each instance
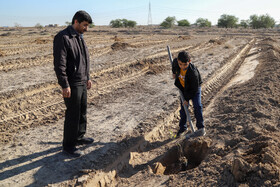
(72, 31)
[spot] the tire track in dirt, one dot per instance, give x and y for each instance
(25, 49)
(224, 74)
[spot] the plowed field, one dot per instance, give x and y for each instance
(133, 110)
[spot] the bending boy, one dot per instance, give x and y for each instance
(188, 80)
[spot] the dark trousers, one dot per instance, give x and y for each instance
(75, 116)
(197, 106)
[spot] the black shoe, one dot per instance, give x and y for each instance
(73, 152)
(180, 132)
(85, 141)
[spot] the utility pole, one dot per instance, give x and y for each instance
(150, 22)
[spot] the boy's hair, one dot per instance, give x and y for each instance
(184, 57)
(81, 16)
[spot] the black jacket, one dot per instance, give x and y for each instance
(192, 80)
(71, 62)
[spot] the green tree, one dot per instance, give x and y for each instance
(168, 22)
(131, 23)
(203, 22)
(262, 21)
(244, 23)
(39, 26)
(68, 23)
(227, 21)
(124, 22)
(117, 23)
(183, 23)
(91, 25)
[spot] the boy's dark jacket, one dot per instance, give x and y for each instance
(192, 80)
(71, 62)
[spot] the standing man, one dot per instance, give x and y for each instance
(71, 65)
(188, 80)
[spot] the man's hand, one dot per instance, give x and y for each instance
(66, 92)
(89, 83)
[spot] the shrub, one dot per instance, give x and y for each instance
(131, 23)
(168, 22)
(117, 23)
(203, 22)
(244, 23)
(227, 21)
(183, 23)
(91, 25)
(262, 21)
(39, 26)
(68, 23)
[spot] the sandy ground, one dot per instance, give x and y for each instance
(133, 110)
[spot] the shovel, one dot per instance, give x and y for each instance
(182, 96)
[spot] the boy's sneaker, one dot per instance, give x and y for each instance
(74, 152)
(199, 132)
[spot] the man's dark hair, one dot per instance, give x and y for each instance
(81, 16)
(184, 57)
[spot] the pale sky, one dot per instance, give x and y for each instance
(30, 12)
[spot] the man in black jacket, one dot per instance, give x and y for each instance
(71, 65)
(188, 80)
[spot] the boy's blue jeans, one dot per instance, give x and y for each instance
(197, 106)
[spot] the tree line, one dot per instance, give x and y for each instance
(225, 21)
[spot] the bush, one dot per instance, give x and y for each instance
(131, 23)
(17, 25)
(39, 26)
(128, 23)
(183, 23)
(168, 22)
(68, 23)
(227, 21)
(262, 21)
(203, 22)
(117, 23)
(244, 23)
(91, 25)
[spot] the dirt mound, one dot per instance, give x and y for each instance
(119, 46)
(184, 37)
(217, 41)
(260, 162)
(41, 41)
(117, 39)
